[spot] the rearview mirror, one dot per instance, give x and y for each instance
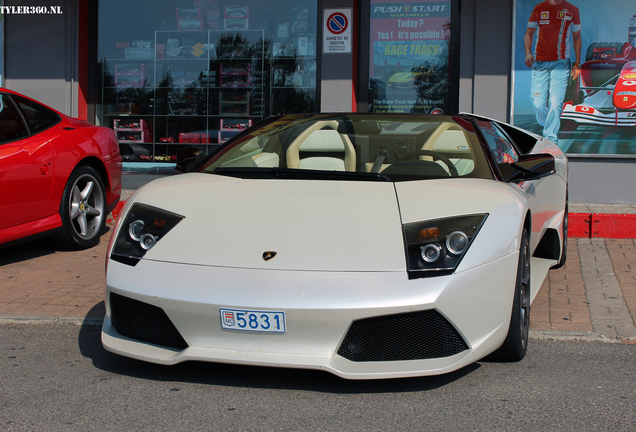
(528, 167)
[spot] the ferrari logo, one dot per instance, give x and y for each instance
(268, 255)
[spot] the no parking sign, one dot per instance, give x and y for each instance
(336, 31)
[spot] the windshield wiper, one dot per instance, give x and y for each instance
(300, 174)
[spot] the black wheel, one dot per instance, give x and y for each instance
(83, 209)
(564, 242)
(515, 346)
(436, 156)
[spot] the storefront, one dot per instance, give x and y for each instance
(181, 73)
(172, 73)
(175, 73)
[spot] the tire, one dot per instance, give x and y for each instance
(83, 210)
(564, 242)
(515, 346)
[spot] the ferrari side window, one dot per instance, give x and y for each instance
(502, 149)
(12, 126)
(37, 117)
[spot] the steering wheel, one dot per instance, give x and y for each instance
(436, 156)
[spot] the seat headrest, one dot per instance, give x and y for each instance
(323, 141)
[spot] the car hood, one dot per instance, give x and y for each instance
(316, 225)
(310, 225)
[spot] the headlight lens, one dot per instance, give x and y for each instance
(143, 227)
(436, 247)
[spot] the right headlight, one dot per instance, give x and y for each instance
(143, 227)
(435, 247)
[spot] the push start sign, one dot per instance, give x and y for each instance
(336, 31)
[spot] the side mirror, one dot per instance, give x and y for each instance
(187, 158)
(528, 167)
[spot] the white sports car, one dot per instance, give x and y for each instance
(366, 245)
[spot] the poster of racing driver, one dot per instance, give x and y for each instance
(570, 61)
(554, 22)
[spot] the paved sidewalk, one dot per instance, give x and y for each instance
(593, 297)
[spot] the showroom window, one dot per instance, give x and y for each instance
(409, 57)
(175, 73)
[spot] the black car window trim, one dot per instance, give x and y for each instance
(486, 148)
(21, 111)
(21, 115)
(507, 137)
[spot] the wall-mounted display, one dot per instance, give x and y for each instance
(409, 56)
(575, 74)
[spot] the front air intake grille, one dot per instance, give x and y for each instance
(408, 336)
(144, 322)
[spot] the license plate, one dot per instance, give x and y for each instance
(251, 320)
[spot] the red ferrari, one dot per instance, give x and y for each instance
(59, 176)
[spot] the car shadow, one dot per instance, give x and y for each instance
(37, 248)
(26, 251)
(217, 374)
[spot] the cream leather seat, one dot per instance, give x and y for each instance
(451, 140)
(326, 141)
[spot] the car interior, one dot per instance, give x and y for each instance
(430, 149)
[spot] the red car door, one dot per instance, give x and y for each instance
(26, 169)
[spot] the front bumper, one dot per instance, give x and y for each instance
(320, 308)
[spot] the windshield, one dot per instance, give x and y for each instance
(376, 147)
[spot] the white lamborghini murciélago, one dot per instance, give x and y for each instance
(366, 245)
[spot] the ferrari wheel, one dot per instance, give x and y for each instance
(515, 346)
(83, 209)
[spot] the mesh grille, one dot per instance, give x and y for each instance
(144, 322)
(408, 336)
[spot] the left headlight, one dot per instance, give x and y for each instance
(435, 247)
(143, 227)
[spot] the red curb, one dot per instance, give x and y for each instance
(579, 225)
(602, 225)
(616, 226)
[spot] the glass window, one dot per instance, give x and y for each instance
(409, 56)
(12, 126)
(502, 149)
(355, 147)
(37, 117)
(197, 72)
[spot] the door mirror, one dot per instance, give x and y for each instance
(528, 167)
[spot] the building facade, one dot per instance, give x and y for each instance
(172, 73)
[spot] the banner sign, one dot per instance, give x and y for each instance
(408, 62)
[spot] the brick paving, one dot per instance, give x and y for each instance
(593, 296)
(622, 253)
(561, 304)
(39, 281)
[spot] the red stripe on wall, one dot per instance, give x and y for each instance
(82, 104)
(354, 51)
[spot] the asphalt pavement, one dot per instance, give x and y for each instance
(592, 298)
